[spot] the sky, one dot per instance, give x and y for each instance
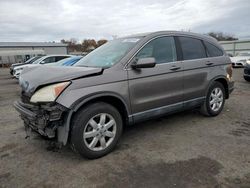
(53, 20)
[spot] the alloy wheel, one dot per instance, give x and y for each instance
(216, 99)
(99, 132)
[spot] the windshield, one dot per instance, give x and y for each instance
(31, 60)
(35, 58)
(108, 54)
(37, 61)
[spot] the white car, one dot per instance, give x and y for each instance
(41, 61)
(241, 59)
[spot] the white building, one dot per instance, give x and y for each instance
(234, 47)
(15, 52)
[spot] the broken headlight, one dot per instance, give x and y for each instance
(49, 93)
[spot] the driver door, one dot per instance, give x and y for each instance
(158, 90)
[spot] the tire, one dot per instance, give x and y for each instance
(90, 130)
(247, 78)
(214, 108)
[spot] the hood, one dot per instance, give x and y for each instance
(17, 64)
(24, 66)
(36, 76)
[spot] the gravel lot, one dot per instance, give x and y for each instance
(181, 150)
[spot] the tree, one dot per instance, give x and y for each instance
(101, 42)
(72, 44)
(87, 45)
(220, 36)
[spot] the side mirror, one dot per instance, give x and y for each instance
(42, 62)
(148, 62)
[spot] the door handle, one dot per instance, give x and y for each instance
(174, 68)
(209, 63)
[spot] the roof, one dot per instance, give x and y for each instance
(173, 32)
(32, 44)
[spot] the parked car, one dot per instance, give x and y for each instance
(41, 61)
(70, 61)
(247, 71)
(125, 81)
(240, 59)
(29, 61)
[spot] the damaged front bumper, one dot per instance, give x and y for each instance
(46, 119)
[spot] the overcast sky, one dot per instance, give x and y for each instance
(53, 20)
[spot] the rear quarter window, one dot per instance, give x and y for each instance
(192, 48)
(212, 50)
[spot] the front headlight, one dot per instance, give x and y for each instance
(49, 93)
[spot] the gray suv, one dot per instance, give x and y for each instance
(125, 81)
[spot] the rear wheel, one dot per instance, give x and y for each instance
(247, 78)
(96, 130)
(215, 100)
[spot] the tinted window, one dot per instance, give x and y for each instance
(58, 58)
(49, 60)
(212, 51)
(162, 49)
(192, 48)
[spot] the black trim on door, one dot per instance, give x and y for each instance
(205, 47)
(178, 49)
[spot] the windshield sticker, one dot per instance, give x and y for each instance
(131, 40)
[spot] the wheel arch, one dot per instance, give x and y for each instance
(223, 81)
(111, 98)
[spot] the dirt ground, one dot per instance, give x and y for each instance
(181, 150)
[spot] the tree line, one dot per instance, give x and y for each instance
(90, 44)
(84, 46)
(220, 36)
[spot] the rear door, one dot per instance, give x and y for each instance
(196, 70)
(158, 90)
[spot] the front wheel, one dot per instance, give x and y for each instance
(215, 100)
(96, 130)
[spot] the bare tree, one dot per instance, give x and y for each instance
(220, 36)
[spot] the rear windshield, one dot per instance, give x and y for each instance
(108, 54)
